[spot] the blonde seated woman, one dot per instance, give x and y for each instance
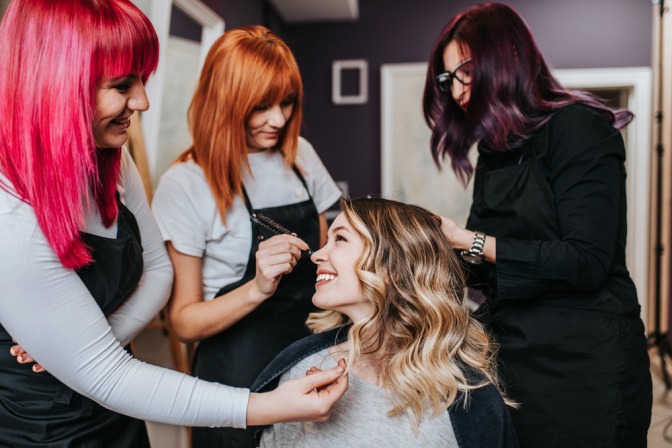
(393, 291)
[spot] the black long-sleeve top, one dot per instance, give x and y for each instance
(557, 207)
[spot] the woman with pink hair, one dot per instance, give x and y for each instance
(83, 264)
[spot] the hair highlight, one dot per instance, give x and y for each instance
(420, 332)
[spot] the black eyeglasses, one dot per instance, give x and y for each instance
(463, 73)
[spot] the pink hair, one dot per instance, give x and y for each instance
(53, 56)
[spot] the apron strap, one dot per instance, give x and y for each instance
(248, 203)
(303, 181)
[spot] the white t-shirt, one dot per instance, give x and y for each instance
(52, 315)
(188, 217)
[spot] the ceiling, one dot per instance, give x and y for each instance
(303, 11)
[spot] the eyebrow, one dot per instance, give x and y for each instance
(462, 62)
(129, 76)
(336, 229)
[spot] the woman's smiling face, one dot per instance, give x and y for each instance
(456, 59)
(338, 287)
(264, 126)
(116, 100)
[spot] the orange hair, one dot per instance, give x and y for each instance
(245, 68)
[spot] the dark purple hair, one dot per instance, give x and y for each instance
(513, 92)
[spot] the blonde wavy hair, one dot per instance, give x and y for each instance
(246, 67)
(427, 346)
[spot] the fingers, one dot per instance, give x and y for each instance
(323, 379)
(449, 228)
(330, 392)
(273, 265)
(24, 358)
(338, 387)
(21, 356)
(313, 370)
(299, 399)
(284, 243)
(275, 257)
(447, 223)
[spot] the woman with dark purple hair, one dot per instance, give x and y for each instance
(545, 239)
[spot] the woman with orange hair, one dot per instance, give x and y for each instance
(83, 266)
(242, 299)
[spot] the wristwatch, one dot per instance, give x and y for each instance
(475, 254)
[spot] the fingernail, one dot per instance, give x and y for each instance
(20, 358)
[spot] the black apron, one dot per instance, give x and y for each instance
(575, 372)
(237, 355)
(38, 410)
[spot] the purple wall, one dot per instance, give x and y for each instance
(570, 33)
(239, 12)
(181, 25)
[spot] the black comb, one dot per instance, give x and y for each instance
(268, 224)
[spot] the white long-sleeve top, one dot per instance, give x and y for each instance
(52, 315)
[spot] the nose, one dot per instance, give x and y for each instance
(275, 116)
(318, 256)
(138, 99)
(457, 89)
